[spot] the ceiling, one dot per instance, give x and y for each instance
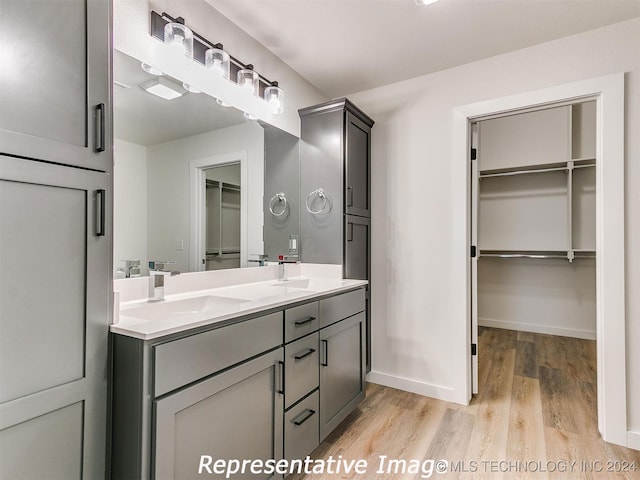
(346, 46)
(145, 119)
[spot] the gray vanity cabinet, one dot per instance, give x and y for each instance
(55, 87)
(237, 414)
(357, 165)
(55, 310)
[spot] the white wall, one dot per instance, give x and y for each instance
(168, 187)
(131, 36)
(412, 205)
(129, 203)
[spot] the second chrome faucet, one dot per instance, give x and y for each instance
(157, 273)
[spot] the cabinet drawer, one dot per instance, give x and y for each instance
(341, 306)
(185, 360)
(302, 428)
(301, 371)
(300, 321)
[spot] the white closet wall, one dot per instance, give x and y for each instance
(549, 213)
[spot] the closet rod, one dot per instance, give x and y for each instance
(523, 172)
(521, 255)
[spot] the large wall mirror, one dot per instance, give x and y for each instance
(196, 182)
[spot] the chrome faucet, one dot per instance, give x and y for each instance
(282, 266)
(260, 259)
(156, 279)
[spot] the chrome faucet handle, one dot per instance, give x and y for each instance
(158, 265)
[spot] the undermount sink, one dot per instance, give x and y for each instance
(188, 306)
(300, 283)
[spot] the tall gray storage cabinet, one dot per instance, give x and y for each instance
(55, 237)
(335, 190)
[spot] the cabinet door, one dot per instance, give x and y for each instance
(357, 245)
(358, 167)
(342, 363)
(55, 81)
(55, 286)
(235, 415)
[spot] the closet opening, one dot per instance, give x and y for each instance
(533, 272)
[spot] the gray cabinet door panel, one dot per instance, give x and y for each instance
(235, 415)
(54, 299)
(342, 362)
(55, 73)
(48, 446)
(357, 245)
(357, 167)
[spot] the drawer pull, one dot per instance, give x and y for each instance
(298, 323)
(300, 356)
(304, 417)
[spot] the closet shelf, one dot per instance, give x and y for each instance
(569, 255)
(540, 168)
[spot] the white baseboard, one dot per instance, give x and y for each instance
(529, 327)
(633, 440)
(439, 392)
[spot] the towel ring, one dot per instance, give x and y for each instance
(281, 198)
(319, 193)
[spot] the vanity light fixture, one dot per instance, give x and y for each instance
(230, 81)
(163, 88)
(425, 2)
(179, 39)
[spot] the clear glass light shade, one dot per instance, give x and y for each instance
(248, 80)
(274, 97)
(179, 38)
(218, 61)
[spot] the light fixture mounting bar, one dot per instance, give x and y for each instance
(200, 45)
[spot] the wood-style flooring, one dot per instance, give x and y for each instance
(534, 416)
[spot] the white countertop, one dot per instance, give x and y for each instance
(184, 311)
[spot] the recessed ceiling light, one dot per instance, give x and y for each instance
(425, 2)
(163, 88)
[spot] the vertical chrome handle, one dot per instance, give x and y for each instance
(100, 212)
(99, 128)
(325, 353)
(281, 382)
(349, 232)
(349, 196)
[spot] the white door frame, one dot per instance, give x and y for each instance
(197, 200)
(610, 258)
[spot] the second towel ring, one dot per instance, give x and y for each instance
(319, 193)
(281, 198)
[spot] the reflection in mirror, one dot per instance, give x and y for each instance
(164, 152)
(223, 217)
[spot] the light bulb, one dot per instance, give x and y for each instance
(274, 97)
(248, 80)
(218, 61)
